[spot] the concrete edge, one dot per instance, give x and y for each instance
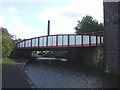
(111, 0)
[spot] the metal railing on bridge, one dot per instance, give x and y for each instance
(61, 41)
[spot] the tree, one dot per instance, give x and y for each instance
(7, 42)
(89, 25)
(17, 40)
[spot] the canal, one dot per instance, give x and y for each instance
(57, 73)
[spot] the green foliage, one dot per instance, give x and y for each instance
(53, 54)
(88, 25)
(17, 40)
(7, 42)
(6, 63)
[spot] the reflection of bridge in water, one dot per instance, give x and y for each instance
(61, 41)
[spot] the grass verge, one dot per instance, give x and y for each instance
(6, 63)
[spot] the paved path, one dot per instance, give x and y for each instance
(14, 77)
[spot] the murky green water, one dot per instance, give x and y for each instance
(60, 74)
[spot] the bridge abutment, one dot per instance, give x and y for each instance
(111, 36)
(92, 56)
(18, 53)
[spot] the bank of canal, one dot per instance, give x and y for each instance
(13, 75)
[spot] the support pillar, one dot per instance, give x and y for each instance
(112, 35)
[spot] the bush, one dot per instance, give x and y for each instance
(7, 42)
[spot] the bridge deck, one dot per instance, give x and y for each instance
(61, 41)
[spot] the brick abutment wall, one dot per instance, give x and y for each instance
(93, 57)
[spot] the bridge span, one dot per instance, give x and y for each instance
(61, 41)
(79, 48)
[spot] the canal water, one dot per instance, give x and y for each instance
(57, 73)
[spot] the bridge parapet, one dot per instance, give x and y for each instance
(61, 41)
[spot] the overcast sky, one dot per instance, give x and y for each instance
(28, 18)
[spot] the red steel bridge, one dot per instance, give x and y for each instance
(61, 41)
